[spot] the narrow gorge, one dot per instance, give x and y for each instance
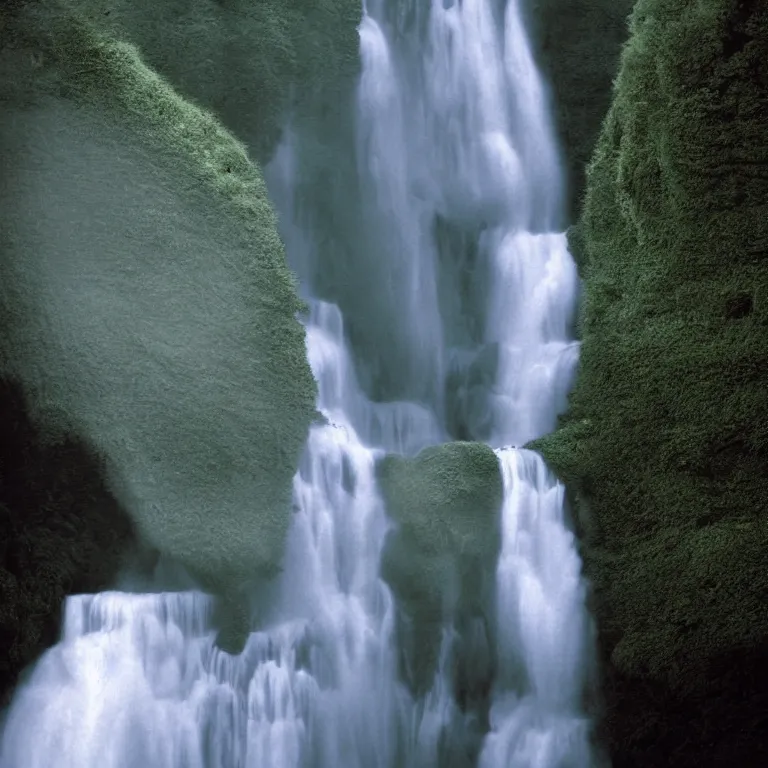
(383, 385)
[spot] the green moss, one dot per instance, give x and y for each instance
(249, 62)
(440, 559)
(673, 381)
(94, 69)
(564, 449)
(195, 388)
(447, 497)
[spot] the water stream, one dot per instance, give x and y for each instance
(453, 136)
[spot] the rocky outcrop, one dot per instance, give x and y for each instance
(250, 63)
(665, 445)
(150, 349)
(440, 559)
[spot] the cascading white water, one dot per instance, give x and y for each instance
(136, 680)
(479, 143)
(452, 123)
(543, 629)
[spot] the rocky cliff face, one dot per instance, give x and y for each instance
(665, 445)
(153, 374)
(439, 559)
(249, 63)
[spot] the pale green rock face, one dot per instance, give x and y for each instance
(440, 559)
(250, 62)
(146, 302)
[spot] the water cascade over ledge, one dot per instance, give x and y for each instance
(453, 136)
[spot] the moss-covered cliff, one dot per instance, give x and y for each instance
(665, 446)
(440, 563)
(150, 353)
(248, 62)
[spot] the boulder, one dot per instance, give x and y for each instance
(146, 306)
(440, 558)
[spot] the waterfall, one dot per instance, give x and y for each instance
(454, 145)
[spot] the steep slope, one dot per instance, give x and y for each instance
(148, 320)
(249, 62)
(665, 445)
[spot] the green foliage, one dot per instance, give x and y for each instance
(666, 439)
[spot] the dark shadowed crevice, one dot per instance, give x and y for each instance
(61, 533)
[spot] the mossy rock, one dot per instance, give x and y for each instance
(440, 559)
(146, 306)
(250, 62)
(665, 445)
